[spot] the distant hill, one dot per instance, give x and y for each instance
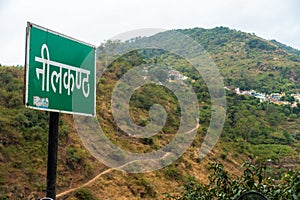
(248, 61)
(286, 47)
(245, 60)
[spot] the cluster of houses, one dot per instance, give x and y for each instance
(172, 75)
(176, 75)
(272, 98)
(275, 98)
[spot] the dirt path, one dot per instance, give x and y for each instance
(99, 175)
(109, 170)
(83, 185)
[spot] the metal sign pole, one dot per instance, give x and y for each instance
(52, 155)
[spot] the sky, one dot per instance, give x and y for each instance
(95, 21)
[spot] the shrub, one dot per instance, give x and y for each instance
(224, 186)
(84, 194)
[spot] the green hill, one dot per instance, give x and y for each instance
(248, 61)
(286, 47)
(265, 133)
(23, 145)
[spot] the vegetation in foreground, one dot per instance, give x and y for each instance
(223, 185)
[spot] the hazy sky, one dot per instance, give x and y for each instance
(94, 21)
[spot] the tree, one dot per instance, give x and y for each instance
(159, 74)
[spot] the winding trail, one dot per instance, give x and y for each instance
(110, 170)
(85, 184)
(100, 174)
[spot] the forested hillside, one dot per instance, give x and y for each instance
(263, 134)
(23, 145)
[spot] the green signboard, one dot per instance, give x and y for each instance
(60, 72)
